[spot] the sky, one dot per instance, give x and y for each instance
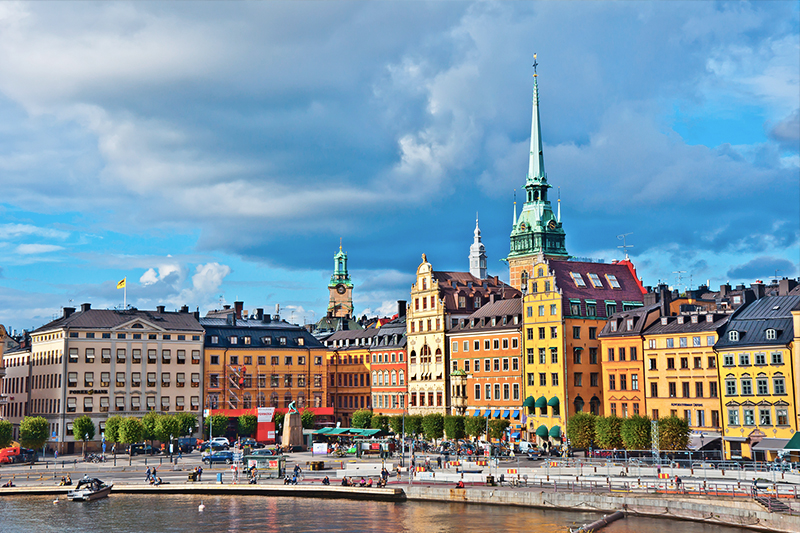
(213, 152)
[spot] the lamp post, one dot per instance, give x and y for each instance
(170, 447)
(85, 438)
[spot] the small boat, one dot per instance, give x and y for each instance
(89, 489)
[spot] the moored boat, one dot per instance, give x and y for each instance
(89, 489)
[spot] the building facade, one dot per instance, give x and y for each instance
(758, 369)
(348, 354)
(389, 368)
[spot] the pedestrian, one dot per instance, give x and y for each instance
(398, 473)
(439, 462)
(147, 474)
(199, 472)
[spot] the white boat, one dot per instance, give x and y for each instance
(89, 489)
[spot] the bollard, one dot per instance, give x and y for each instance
(691, 470)
(219, 478)
(595, 470)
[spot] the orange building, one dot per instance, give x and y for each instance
(390, 366)
(348, 354)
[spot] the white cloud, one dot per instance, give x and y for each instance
(31, 249)
(11, 231)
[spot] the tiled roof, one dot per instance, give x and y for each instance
(629, 291)
(640, 318)
(455, 284)
(753, 321)
(500, 308)
(111, 318)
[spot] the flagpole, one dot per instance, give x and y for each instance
(125, 295)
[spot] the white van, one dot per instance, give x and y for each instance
(524, 446)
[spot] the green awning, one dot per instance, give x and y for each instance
(368, 432)
(553, 402)
(555, 432)
(542, 431)
(529, 402)
(323, 431)
(541, 402)
(794, 442)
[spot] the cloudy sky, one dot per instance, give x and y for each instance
(211, 152)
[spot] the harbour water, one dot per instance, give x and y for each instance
(173, 513)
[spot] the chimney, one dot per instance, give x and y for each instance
(724, 290)
(665, 297)
(785, 286)
(492, 298)
(238, 306)
(85, 307)
(196, 315)
(185, 309)
(68, 311)
(259, 313)
(226, 307)
(650, 297)
(759, 289)
(160, 308)
(401, 308)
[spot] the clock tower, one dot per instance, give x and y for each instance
(340, 304)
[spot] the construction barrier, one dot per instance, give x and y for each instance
(663, 476)
(512, 471)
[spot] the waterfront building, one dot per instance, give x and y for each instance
(103, 362)
(15, 392)
(681, 377)
(486, 363)
(389, 368)
(260, 360)
(348, 355)
(622, 353)
(438, 301)
(758, 368)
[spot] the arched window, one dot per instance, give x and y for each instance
(772, 334)
(579, 403)
(247, 401)
(424, 284)
(394, 377)
(402, 378)
(386, 377)
(733, 336)
(374, 379)
(262, 399)
(273, 399)
(287, 399)
(540, 272)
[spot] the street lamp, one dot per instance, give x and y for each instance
(170, 447)
(85, 438)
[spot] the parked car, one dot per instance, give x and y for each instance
(213, 446)
(141, 449)
(187, 444)
(265, 451)
(252, 443)
(219, 457)
(222, 440)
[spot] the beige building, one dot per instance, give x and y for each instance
(112, 362)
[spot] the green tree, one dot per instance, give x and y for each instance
(475, 426)
(308, 419)
(6, 432)
(112, 428)
(454, 427)
(497, 427)
(187, 422)
(279, 417)
(167, 426)
(83, 428)
(131, 430)
(218, 424)
(413, 425)
(33, 432)
(433, 426)
(607, 432)
(396, 424)
(380, 422)
(149, 422)
(635, 432)
(361, 419)
(580, 430)
(673, 433)
(246, 425)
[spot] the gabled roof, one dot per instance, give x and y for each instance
(641, 317)
(113, 318)
(630, 289)
(455, 284)
(499, 309)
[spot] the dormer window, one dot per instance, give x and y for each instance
(612, 280)
(772, 334)
(680, 320)
(733, 336)
(709, 318)
(613, 325)
(630, 324)
(595, 279)
(694, 319)
(664, 320)
(578, 279)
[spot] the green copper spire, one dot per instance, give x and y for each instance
(340, 274)
(537, 230)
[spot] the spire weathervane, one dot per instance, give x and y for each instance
(535, 64)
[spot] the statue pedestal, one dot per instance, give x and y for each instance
(293, 430)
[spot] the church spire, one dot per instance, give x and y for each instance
(536, 161)
(477, 254)
(515, 209)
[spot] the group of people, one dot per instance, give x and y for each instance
(65, 481)
(295, 475)
(198, 473)
(364, 482)
(252, 475)
(151, 477)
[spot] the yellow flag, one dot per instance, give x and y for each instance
(121, 284)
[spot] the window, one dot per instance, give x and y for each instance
(477, 391)
(765, 416)
(781, 416)
(698, 389)
(779, 384)
(578, 379)
(542, 379)
(578, 279)
(673, 390)
(595, 279)
(488, 390)
(744, 359)
(653, 389)
(529, 312)
(612, 280)
(454, 349)
(712, 361)
(733, 417)
(487, 365)
(760, 358)
(466, 365)
(712, 389)
(476, 365)
(476, 346)
(88, 379)
(591, 308)
(683, 342)
(180, 379)
(762, 386)
(136, 379)
(90, 355)
(727, 360)
(151, 379)
(575, 308)
(670, 343)
(105, 379)
(749, 417)
(771, 334)
(684, 363)
(685, 389)
(515, 343)
(288, 360)
(777, 358)
(554, 332)
(165, 379)
(554, 355)
(634, 381)
(541, 333)
(747, 386)
(576, 355)
(576, 332)
(541, 310)
(670, 363)
(487, 345)
(553, 309)
(554, 379)
(733, 336)
(505, 364)
(623, 382)
(652, 344)
(506, 391)
(234, 359)
(151, 357)
(592, 356)
(594, 379)
(730, 387)
(611, 308)
(698, 362)
(166, 356)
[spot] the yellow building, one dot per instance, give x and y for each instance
(680, 368)
(757, 359)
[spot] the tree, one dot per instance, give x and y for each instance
(246, 425)
(218, 424)
(131, 430)
(433, 426)
(112, 428)
(396, 424)
(454, 427)
(149, 422)
(580, 430)
(33, 432)
(475, 426)
(673, 433)
(607, 432)
(83, 428)
(308, 419)
(167, 427)
(635, 432)
(187, 422)
(413, 425)
(361, 419)
(279, 423)
(497, 427)
(6, 432)
(380, 422)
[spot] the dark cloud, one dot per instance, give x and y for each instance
(787, 131)
(762, 267)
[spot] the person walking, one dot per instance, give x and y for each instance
(147, 475)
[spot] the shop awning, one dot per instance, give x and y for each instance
(771, 445)
(794, 442)
(542, 431)
(555, 432)
(515, 435)
(323, 431)
(477, 412)
(529, 402)
(541, 402)
(553, 402)
(496, 413)
(515, 414)
(506, 413)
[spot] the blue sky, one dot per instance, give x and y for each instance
(218, 151)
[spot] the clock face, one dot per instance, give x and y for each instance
(340, 289)
(552, 224)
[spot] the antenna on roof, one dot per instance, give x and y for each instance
(625, 245)
(680, 276)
